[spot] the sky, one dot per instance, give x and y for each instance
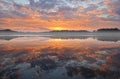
(45, 15)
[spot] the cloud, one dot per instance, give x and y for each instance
(48, 14)
(112, 18)
(116, 7)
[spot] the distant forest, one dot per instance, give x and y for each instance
(108, 29)
(99, 30)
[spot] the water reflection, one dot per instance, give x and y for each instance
(58, 57)
(100, 38)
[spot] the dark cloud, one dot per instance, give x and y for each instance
(116, 7)
(43, 4)
(91, 7)
(112, 18)
(3, 14)
(19, 14)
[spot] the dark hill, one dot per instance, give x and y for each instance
(7, 30)
(108, 30)
(69, 31)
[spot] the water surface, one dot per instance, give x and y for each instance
(57, 57)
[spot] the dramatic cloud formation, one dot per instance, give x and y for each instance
(44, 15)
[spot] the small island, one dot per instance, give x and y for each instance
(7, 30)
(69, 31)
(108, 30)
(85, 31)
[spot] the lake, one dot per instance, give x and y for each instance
(59, 57)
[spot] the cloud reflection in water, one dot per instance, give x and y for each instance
(44, 57)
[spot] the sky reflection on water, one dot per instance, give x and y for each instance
(61, 58)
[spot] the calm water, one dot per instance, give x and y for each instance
(50, 57)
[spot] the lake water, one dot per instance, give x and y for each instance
(85, 57)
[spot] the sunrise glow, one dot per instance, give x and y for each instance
(40, 15)
(58, 28)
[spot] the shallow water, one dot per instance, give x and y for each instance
(57, 57)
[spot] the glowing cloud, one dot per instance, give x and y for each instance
(44, 15)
